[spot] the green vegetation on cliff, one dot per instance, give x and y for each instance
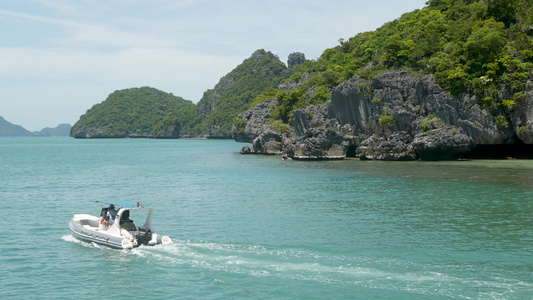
(233, 95)
(128, 113)
(482, 47)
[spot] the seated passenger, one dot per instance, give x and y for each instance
(111, 213)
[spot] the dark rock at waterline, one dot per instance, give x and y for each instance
(442, 144)
(268, 142)
(318, 144)
(246, 150)
(397, 147)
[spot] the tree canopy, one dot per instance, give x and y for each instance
(129, 112)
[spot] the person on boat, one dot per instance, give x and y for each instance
(111, 213)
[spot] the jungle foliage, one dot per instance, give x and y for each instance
(482, 47)
(234, 93)
(130, 111)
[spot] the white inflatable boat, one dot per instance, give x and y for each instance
(115, 229)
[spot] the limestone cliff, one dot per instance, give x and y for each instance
(234, 93)
(394, 116)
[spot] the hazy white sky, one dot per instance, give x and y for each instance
(58, 58)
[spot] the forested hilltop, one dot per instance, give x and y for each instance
(129, 113)
(461, 67)
(148, 112)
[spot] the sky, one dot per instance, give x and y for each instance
(58, 58)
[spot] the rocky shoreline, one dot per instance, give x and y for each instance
(394, 116)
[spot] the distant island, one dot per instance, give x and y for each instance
(8, 129)
(130, 113)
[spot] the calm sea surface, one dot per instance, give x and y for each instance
(255, 227)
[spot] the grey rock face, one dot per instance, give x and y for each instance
(522, 119)
(318, 144)
(397, 147)
(408, 100)
(255, 130)
(296, 58)
(394, 116)
(255, 122)
(268, 142)
(316, 136)
(442, 144)
(411, 102)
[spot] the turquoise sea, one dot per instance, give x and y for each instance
(256, 227)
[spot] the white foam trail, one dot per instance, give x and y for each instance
(256, 261)
(236, 258)
(294, 264)
(72, 239)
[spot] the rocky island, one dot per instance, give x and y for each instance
(448, 81)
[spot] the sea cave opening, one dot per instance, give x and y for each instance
(519, 150)
(351, 151)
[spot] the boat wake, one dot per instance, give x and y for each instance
(72, 239)
(343, 271)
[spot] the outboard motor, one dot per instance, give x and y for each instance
(144, 236)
